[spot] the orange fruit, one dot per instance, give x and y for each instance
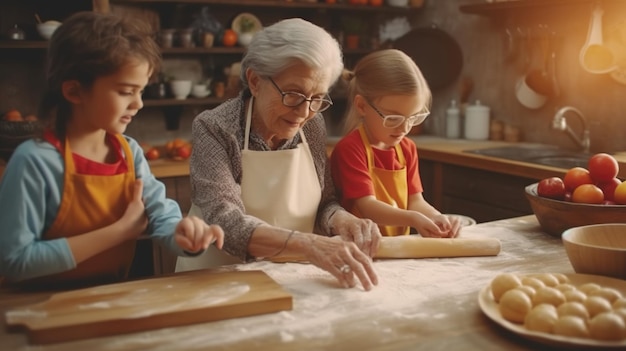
(229, 38)
(588, 194)
(620, 194)
(575, 177)
(13, 115)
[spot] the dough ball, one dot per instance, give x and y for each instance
(563, 287)
(503, 283)
(547, 278)
(619, 303)
(575, 295)
(514, 305)
(527, 290)
(533, 282)
(621, 312)
(573, 309)
(571, 326)
(596, 305)
(562, 278)
(607, 326)
(608, 293)
(541, 318)
(548, 295)
(589, 287)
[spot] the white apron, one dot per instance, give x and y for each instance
(279, 187)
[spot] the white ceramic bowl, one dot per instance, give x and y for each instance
(181, 88)
(398, 3)
(597, 249)
(46, 29)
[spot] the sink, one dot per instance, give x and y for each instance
(548, 155)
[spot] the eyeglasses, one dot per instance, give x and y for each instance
(294, 99)
(394, 121)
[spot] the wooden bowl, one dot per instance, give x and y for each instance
(556, 216)
(597, 249)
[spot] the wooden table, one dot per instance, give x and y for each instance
(429, 304)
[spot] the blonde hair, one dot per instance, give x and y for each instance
(383, 73)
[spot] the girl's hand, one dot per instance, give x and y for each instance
(194, 235)
(440, 226)
(363, 232)
(342, 259)
(134, 218)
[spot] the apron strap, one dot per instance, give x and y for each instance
(370, 153)
(248, 121)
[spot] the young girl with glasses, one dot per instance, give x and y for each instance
(374, 166)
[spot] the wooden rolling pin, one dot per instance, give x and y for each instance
(412, 246)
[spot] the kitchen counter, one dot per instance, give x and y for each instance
(429, 304)
(432, 148)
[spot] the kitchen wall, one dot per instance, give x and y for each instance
(495, 72)
(482, 39)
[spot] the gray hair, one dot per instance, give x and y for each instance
(288, 42)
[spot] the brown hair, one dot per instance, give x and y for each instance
(383, 73)
(89, 45)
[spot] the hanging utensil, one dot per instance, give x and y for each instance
(595, 57)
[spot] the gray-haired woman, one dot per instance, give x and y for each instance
(258, 166)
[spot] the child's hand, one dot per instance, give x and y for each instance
(451, 226)
(194, 235)
(135, 218)
(430, 228)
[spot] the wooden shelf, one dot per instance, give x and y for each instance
(496, 8)
(23, 44)
(275, 3)
(186, 102)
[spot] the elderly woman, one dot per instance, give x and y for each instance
(258, 167)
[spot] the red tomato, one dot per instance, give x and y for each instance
(603, 167)
(575, 177)
(588, 194)
(552, 188)
(153, 154)
(608, 188)
(183, 152)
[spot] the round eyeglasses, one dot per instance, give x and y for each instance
(394, 121)
(294, 99)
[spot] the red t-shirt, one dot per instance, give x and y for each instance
(87, 166)
(348, 164)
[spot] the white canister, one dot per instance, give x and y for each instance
(453, 121)
(477, 121)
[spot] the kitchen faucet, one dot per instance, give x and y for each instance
(559, 122)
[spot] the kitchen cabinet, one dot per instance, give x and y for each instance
(482, 195)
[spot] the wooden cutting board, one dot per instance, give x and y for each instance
(180, 299)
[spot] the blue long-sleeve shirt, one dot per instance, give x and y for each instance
(30, 196)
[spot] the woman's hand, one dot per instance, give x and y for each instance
(194, 235)
(363, 232)
(342, 259)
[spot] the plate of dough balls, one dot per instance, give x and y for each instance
(570, 310)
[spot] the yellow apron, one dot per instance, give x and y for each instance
(90, 202)
(390, 186)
